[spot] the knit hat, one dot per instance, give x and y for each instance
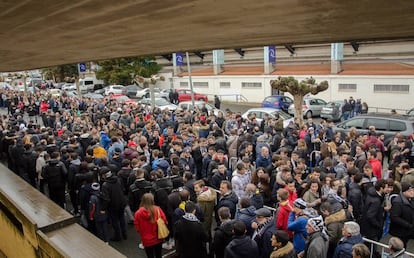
(316, 223)
(406, 186)
(300, 203)
(95, 186)
(281, 237)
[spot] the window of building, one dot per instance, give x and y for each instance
(251, 85)
(391, 88)
(225, 84)
(349, 87)
(200, 84)
(183, 84)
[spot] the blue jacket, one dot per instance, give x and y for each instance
(298, 227)
(247, 216)
(263, 162)
(344, 248)
(105, 141)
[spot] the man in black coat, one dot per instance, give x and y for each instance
(28, 164)
(55, 174)
(223, 234)
(373, 214)
(114, 203)
(189, 234)
(242, 246)
(227, 199)
(402, 214)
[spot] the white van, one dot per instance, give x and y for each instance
(91, 84)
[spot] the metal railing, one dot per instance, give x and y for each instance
(387, 110)
(383, 247)
(231, 97)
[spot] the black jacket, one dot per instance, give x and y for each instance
(356, 200)
(191, 239)
(402, 217)
(112, 195)
(263, 239)
(222, 237)
(136, 191)
(55, 174)
(373, 215)
(241, 247)
(230, 201)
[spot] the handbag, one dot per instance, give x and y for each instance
(162, 229)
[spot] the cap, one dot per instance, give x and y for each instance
(406, 186)
(105, 171)
(316, 223)
(132, 144)
(300, 203)
(95, 186)
(263, 212)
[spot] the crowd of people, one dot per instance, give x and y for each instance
(224, 185)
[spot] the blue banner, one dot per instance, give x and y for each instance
(179, 58)
(272, 54)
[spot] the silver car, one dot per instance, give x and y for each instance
(328, 110)
(311, 107)
(260, 113)
(189, 106)
(160, 103)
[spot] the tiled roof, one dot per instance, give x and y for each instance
(313, 69)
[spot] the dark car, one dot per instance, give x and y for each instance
(385, 123)
(131, 90)
(277, 102)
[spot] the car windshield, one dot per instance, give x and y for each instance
(329, 105)
(270, 99)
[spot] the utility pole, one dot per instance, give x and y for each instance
(190, 80)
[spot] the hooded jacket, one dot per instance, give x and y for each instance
(241, 247)
(282, 217)
(286, 251)
(206, 201)
(190, 237)
(136, 191)
(298, 226)
(129, 154)
(146, 227)
(334, 224)
(112, 194)
(247, 216)
(222, 238)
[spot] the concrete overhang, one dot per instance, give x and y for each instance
(41, 33)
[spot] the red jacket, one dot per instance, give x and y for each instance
(376, 167)
(147, 228)
(282, 217)
(44, 107)
(292, 195)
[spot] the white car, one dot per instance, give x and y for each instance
(160, 103)
(55, 92)
(115, 89)
(145, 93)
(189, 106)
(68, 86)
(260, 112)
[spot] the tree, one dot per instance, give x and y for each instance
(298, 91)
(125, 70)
(61, 73)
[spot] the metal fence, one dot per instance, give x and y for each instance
(382, 248)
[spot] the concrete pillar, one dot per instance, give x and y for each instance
(269, 54)
(178, 61)
(218, 61)
(337, 55)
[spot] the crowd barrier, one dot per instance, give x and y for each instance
(31, 225)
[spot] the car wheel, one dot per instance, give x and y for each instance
(308, 114)
(201, 99)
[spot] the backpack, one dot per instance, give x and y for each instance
(95, 207)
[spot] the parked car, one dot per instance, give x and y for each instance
(115, 89)
(68, 86)
(55, 92)
(385, 123)
(185, 95)
(278, 102)
(122, 99)
(5, 85)
(91, 83)
(164, 93)
(145, 93)
(131, 90)
(311, 107)
(160, 103)
(100, 91)
(189, 106)
(410, 112)
(260, 112)
(328, 110)
(94, 96)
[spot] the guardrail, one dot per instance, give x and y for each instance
(383, 247)
(237, 97)
(387, 110)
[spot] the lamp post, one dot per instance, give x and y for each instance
(151, 82)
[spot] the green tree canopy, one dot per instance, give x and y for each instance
(298, 90)
(119, 71)
(61, 73)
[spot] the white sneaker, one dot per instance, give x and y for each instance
(166, 246)
(141, 246)
(171, 242)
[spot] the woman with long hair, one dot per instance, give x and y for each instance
(146, 225)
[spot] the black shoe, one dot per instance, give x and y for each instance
(124, 236)
(115, 239)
